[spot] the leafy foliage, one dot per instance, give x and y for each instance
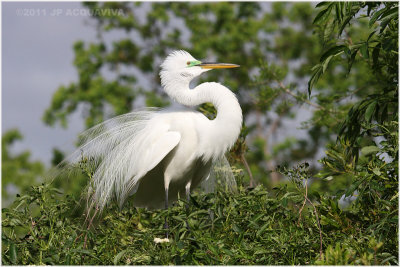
(17, 171)
(366, 151)
(250, 227)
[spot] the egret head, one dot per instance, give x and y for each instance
(180, 65)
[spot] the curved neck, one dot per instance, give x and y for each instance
(226, 126)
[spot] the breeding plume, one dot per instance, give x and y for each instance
(155, 155)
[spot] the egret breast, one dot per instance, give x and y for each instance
(180, 164)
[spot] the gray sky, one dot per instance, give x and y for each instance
(37, 57)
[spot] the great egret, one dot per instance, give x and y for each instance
(157, 154)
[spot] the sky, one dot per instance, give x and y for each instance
(37, 57)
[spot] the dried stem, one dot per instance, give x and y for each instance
(76, 239)
(297, 97)
(304, 203)
(306, 199)
(252, 183)
(351, 41)
(282, 86)
(319, 227)
(90, 224)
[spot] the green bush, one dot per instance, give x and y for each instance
(249, 227)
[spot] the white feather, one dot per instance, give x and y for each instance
(145, 153)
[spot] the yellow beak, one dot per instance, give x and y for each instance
(207, 65)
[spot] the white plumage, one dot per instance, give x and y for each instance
(153, 155)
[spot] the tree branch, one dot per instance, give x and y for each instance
(306, 199)
(319, 227)
(304, 203)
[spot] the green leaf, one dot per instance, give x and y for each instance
(324, 3)
(375, 55)
(325, 64)
(370, 111)
(13, 253)
(285, 202)
(353, 187)
(262, 229)
(351, 60)
(205, 212)
(321, 15)
(333, 51)
(118, 257)
(376, 16)
(368, 150)
(68, 260)
(390, 12)
(377, 171)
(364, 50)
(314, 78)
(85, 251)
(346, 21)
(370, 35)
(386, 21)
(236, 228)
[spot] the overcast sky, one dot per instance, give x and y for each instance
(37, 57)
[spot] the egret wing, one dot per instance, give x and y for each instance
(117, 153)
(121, 170)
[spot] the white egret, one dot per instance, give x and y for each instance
(155, 155)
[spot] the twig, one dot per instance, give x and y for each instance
(87, 229)
(282, 86)
(304, 203)
(297, 97)
(90, 224)
(319, 227)
(76, 239)
(252, 183)
(351, 42)
(316, 216)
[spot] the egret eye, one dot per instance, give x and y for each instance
(188, 63)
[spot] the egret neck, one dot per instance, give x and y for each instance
(227, 124)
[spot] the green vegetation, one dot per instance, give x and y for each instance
(337, 62)
(17, 170)
(250, 227)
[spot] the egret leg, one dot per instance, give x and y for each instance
(166, 226)
(187, 188)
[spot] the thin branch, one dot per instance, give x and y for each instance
(304, 203)
(307, 101)
(252, 183)
(306, 199)
(351, 42)
(76, 239)
(297, 97)
(319, 227)
(90, 224)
